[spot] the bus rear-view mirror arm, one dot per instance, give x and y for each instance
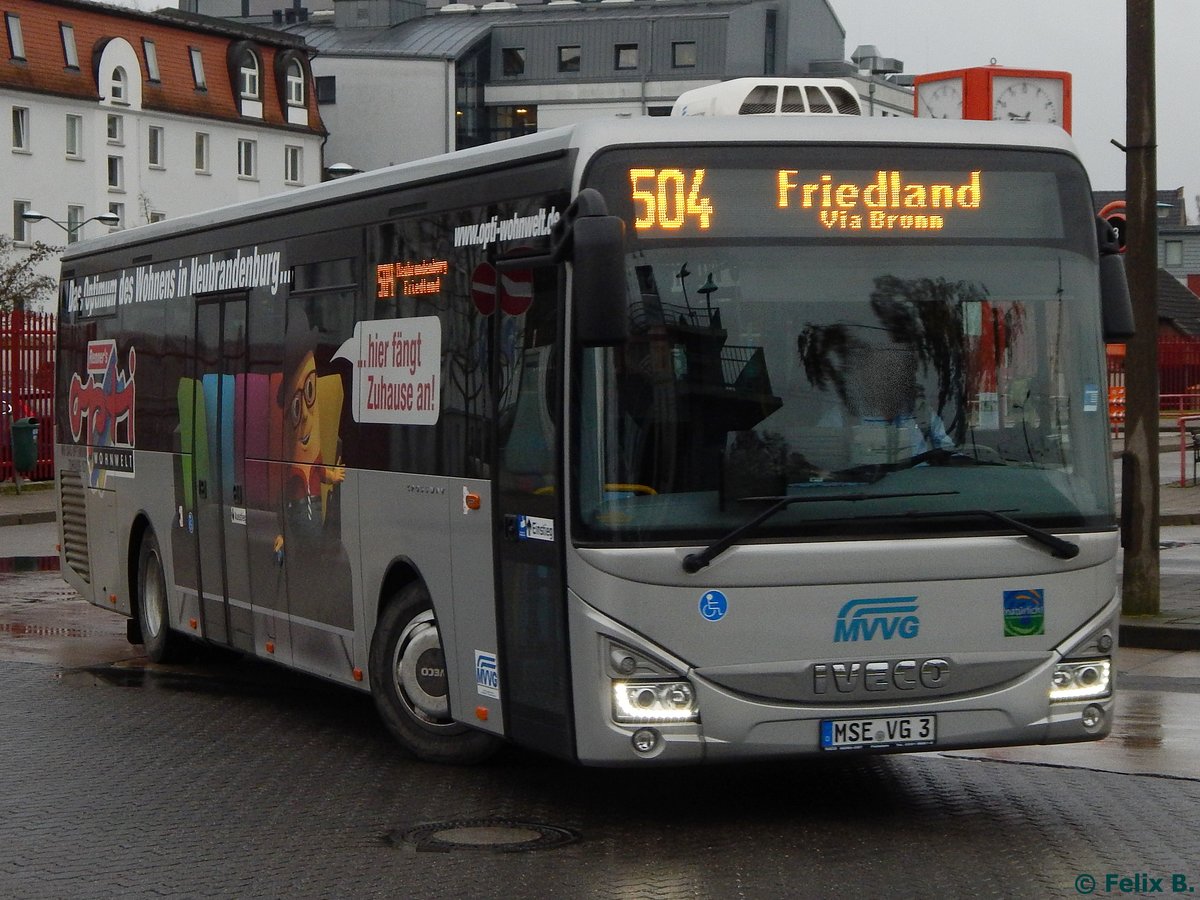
(594, 243)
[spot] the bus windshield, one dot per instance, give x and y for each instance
(825, 325)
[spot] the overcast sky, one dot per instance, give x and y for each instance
(1083, 37)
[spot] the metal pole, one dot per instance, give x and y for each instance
(1140, 586)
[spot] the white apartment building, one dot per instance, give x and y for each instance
(146, 116)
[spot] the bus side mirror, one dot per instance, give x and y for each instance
(1116, 307)
(601, 308)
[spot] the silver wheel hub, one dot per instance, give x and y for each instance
(153, 600)
(419, 671)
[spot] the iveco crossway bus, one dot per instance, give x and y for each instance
(635, 442)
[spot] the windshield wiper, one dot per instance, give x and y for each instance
(694, 562)
(870, 473)
(1057, 546)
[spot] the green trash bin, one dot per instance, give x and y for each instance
(24, 444)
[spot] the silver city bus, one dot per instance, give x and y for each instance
(657, 441)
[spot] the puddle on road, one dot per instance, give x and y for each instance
(141, 673)
(214, 673)
(138, 674)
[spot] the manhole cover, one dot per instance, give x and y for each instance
(497, 835)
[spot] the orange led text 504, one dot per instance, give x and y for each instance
(668, 198)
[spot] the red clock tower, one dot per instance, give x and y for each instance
(995, 93)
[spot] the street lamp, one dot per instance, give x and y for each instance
(110, 219)
(341, 170)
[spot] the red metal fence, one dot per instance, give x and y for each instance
(27, 385)
(1178, 379)
(1178, 376)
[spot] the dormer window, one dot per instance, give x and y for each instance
(248, 76)
(118, 73)
(118, 88)
(291, 83)
(295, 84)
(249, 80)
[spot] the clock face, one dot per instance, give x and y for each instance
(1016, 99)
(940, 99)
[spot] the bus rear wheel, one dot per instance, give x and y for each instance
(410, 687)
(154, 618)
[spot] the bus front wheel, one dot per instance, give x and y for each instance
(162, 645)
(410, 687)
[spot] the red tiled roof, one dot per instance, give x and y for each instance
(94, 24)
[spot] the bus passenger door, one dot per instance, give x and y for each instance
(534, 661)
(218, 435)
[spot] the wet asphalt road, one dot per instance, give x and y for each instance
(232, 778)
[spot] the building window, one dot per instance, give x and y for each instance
(70, 54)
(74, 136)
(117, 87)
(156, 150)
(20, 129)
(151, 54)
(1173, 253)
(156, 216)
(513, 60)
(683, 54)
(625, 56)
(118, 210)
(116, 173)
(198, 69)
(326, 89)
(16, 42)
(769, 43)
(248, 76)
(568, 58)
(511, 121)
(250, 86)
(201, 153)
(295, 83)
(74, 223)
(116, 129)
(293, 164)
(20, 228)
(247, 159)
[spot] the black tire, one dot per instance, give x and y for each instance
(162, 644)
(414, 703)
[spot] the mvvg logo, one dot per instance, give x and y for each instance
(885, 617)
(487, 674)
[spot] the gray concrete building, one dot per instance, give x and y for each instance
(398, 81)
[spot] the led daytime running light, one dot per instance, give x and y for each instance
(636, 702)
(1081, 680)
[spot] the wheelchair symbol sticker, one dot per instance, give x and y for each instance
(713, 605)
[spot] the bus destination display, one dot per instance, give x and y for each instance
(796, 202)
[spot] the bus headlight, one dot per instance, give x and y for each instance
(640, 702)
(1081, 680)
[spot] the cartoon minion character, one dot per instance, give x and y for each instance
(307, 472)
